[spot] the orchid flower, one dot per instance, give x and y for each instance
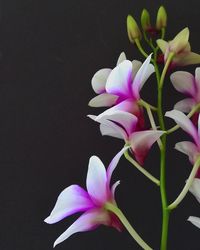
(99, 79)
(191, 149)
(123, 125)
(181, 49)
(195, 190)
(125, 82)
(189, 85)
(92, 202)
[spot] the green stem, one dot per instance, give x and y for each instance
(165, 211)
(156, 66)
(153, 125)
(137, 42)
(186, 187)
(141, 169)
(145, 104)
(163, 31)
(127, 225)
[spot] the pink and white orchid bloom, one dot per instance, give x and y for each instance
(189, 85)
(124, 84)
(123, 125)
(195, 190)
(98, 82)
(191, 149)
(92, 202)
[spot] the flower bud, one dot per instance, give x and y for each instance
(133, 29)
(145, 20)
(161, 21)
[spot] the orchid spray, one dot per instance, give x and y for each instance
(119, 91)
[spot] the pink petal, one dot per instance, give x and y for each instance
(99, 80)
(142, 75)
(188, 148)
(97, 181)
(103, 100)
(185, 105)
(199, 126)
(121, 58)
(86, 222)
(195, 188)
(119, 80)
(184, 82)
(184, 122)
(195, 221)
(114, 163)
(127, 105)
(73, 199)
(142, 141)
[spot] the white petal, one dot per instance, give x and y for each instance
(185, 105)
(184, 82)
(99, 80)
(184, 122)
(73, 199)
(142, 141)
(136, 66)
(142, 75)
(195, 221)
(120, 79)
(123, 119)
(103, 100)
(114, 163)
(93, 117)
(121, 58)
(188, 148)
(97, 180)
(86, 222)
(195, 188)
(111, 129)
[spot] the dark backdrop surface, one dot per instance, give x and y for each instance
(49, 52)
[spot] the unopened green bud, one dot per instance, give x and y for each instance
(133, 29)
(145, 20)
(161, 21)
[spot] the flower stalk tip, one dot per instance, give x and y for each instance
(145, 20)
(161, 20)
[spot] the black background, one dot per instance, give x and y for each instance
(49, 52)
